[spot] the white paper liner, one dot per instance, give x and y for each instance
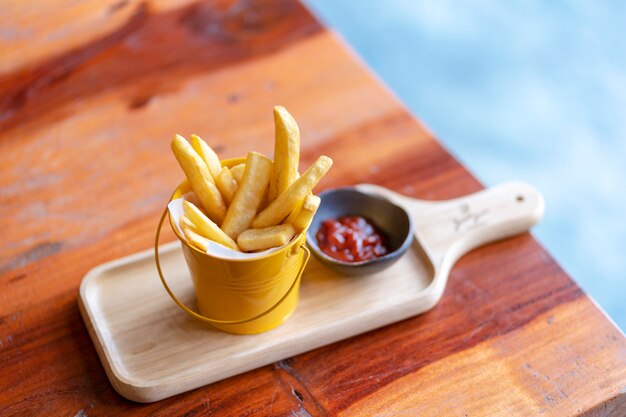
(175, 208)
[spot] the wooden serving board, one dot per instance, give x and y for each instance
(152, 350)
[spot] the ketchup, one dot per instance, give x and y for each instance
(350, 239)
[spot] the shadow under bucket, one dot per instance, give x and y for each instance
(242, 296)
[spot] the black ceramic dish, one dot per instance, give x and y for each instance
(393, 221)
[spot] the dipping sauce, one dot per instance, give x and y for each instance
(351, 239)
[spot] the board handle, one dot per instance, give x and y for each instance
(452, 228)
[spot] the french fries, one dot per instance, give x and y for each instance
(249, 194)
(194, 238)
(205, 227)
(184, 222)
(237, 172)
(200, 179)
(303, 218)
(286, 152)
(227, 184)
(252, 206)
(207, 154)
(294, 213)
(278, 209)
(261, 239)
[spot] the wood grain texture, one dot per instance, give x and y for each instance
(86, 115)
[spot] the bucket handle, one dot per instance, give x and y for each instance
(199, 316)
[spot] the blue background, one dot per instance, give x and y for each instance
(526, 90)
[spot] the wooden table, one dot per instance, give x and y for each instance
(90, 95)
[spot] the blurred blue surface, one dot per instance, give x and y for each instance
(526, 90)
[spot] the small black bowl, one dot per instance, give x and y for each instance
(393, 221)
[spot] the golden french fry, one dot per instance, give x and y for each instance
(311, 202)
(249, 194)
(200, 179)
(304, 217)
(226, 184)
(205, 227)
(286, 152)
(294, 213)
(261, 239)
(194, 238)
(278, 209)
(207, 154)
(184, 222)
(237, 172)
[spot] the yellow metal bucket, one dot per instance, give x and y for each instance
(242, 296)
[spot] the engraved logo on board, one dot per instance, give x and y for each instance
(469, 220)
